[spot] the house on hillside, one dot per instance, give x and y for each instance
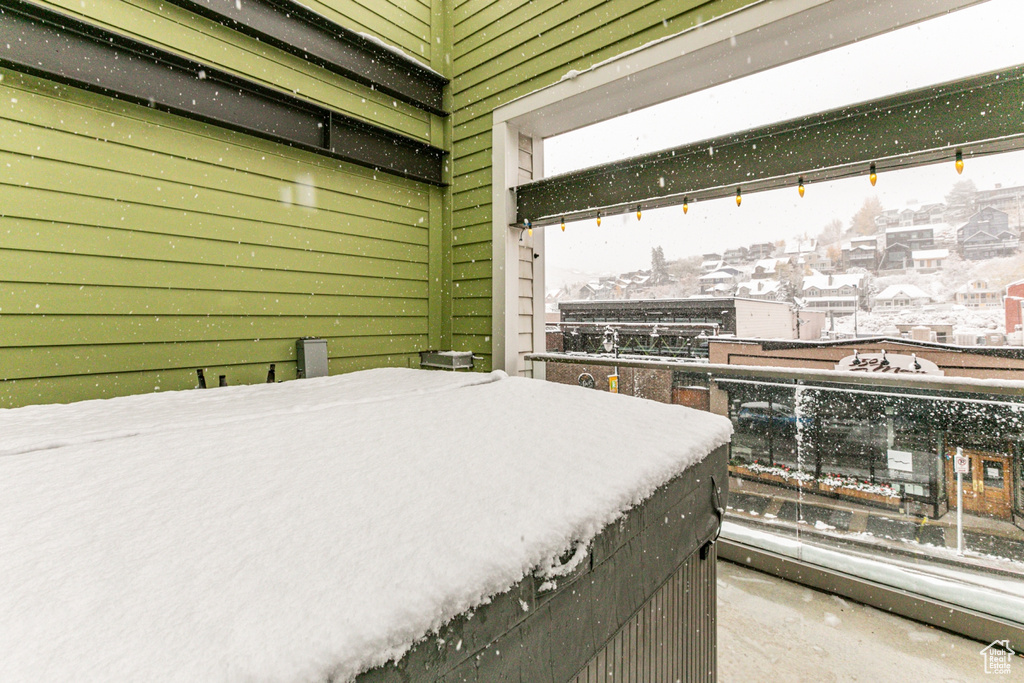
(767, 268)
(1007, 199)
(929, 260)
(736, 255)
(901, 243)
(711, 263)
(763, 290)
(819, 262)
(896, 297)
(987, 235)
(840, 294)
(760, 250)
(861, 252)
(978, 294)
(719, 282)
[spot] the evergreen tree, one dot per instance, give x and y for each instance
(659, 272)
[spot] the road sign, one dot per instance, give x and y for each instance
(961, 464)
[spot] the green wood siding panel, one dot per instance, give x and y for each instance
(180, 31)
(503, 50)
(404, 24)
(479, 251)
(71, 388)
(137, 246)
(95, 330)
(51, 298)
(60, 361)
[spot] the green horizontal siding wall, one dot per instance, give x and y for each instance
(505, 49)
(406, 24)
(137, 246)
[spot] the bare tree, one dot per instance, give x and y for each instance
(863, 222)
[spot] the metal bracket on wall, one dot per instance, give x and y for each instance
(42, 42)
(294, 28)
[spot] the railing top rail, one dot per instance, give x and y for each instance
(967, 385)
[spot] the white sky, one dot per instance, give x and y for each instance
(964, 43)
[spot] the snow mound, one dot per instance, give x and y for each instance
(294, 531)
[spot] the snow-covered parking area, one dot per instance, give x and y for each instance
(293, 531)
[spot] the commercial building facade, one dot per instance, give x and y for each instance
(874, 444)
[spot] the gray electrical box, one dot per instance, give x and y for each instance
(447, 360)
(311, 355)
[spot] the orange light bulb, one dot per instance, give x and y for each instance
(959, 162)
(800, 187)
(686, 205)
(739, 197)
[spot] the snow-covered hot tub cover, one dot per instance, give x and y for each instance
(287, 532)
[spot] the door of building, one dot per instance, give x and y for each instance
(987, 487)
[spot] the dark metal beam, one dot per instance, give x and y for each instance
(294, 28)
(980, 115)
(42, 42)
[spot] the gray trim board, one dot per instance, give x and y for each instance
(294, 28)
(53, 45)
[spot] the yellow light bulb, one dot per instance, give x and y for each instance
(739, 197)
(599, 220)
(529, 231)
(959, 162)
(800, 187)
(563, 225)
(874, 176)
(686, 205)
(638, 213)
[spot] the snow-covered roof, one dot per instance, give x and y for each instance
(832, 281)
(907, 228)
(305, 530)
(930, 254)
(760, 286)
(906, 291)
(719, 275)
(768, 265)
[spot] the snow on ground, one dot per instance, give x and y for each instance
(963, 320)
(287, 532)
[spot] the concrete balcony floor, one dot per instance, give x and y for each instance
(771, 631)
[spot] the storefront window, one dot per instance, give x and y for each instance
(764, 421)
(876, 449)
(993, 474)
